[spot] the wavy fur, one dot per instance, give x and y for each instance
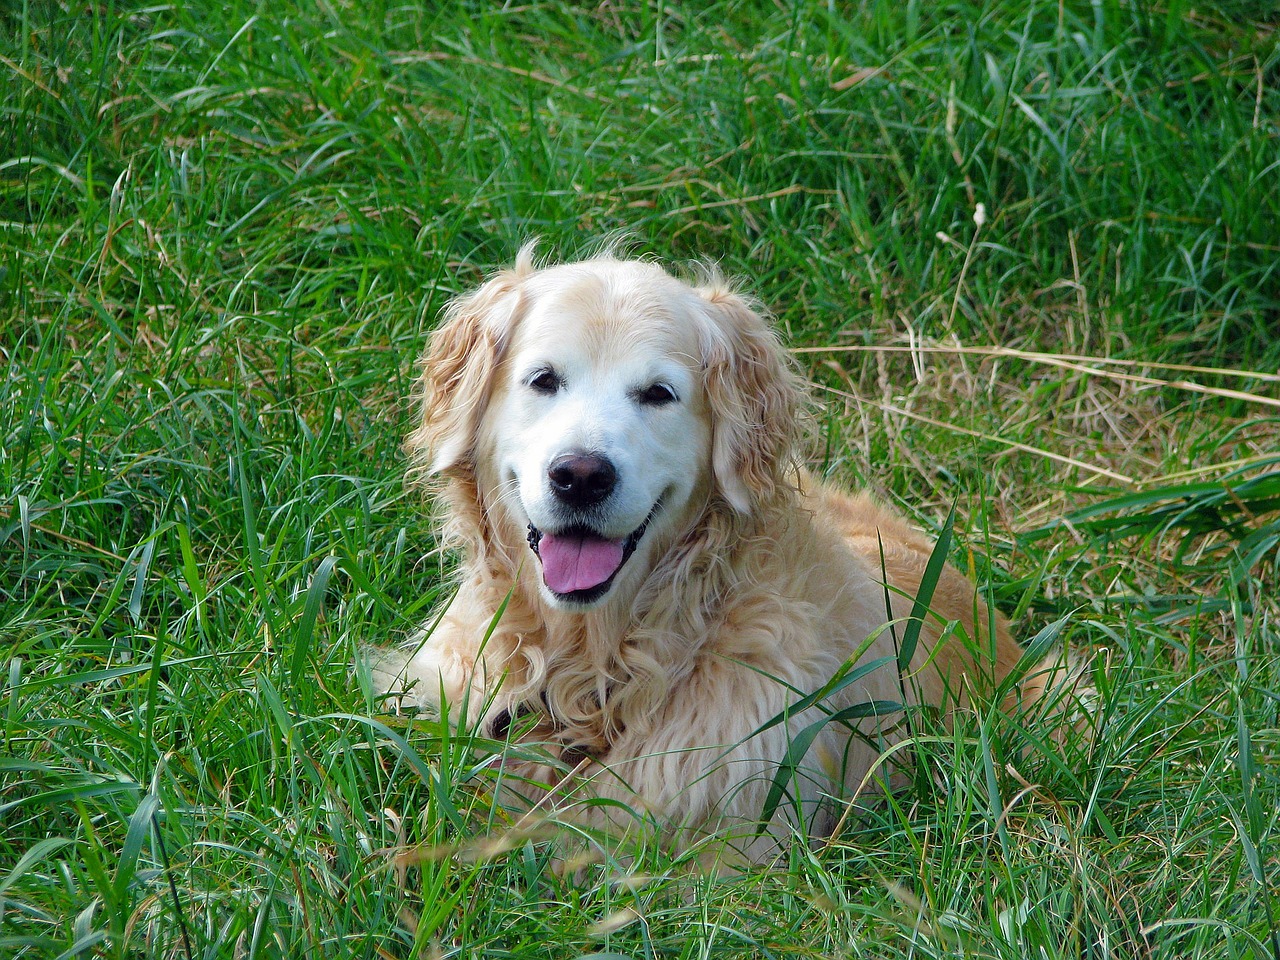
(761, 582)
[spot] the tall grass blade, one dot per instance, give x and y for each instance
(307, 624)
(928, 583)
(789, 769)
(38, 851)
(140, 824)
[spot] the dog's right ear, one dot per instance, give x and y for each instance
(458, 369)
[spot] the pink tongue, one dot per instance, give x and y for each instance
(572, 563)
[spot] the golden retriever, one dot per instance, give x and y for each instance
(649, 581)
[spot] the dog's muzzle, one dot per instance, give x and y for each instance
(578, 564)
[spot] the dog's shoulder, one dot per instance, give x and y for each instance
(859, 517)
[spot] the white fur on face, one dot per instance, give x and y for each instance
(604, 362)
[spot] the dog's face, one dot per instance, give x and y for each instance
(599, 429)
(598, 406)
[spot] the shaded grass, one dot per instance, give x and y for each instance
(224, 235)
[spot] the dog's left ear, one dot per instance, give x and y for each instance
(755, 398)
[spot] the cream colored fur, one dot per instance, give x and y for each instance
(748, 590)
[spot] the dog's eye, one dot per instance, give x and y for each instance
(656, 395)
(545, 381)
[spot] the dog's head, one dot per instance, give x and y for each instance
(599, 407)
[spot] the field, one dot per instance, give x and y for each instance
(1028, 252)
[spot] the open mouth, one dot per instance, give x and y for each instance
(578, 564)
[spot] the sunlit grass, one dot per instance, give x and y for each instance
(223, 235)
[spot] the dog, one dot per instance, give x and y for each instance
(650, 583)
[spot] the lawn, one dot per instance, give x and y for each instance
(1029, 253)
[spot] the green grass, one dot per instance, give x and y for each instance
(224, 232)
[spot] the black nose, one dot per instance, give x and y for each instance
(581, 479)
